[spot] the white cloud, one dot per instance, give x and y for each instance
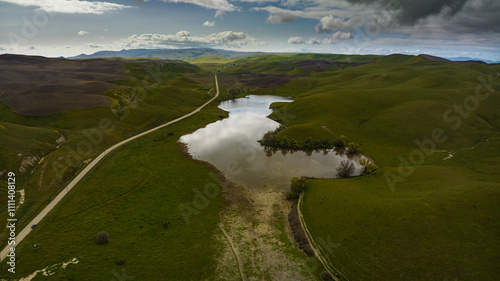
(220, 5)
(295, 40)
(209, 23)
(185, 39)
(302, 40)
(258, 1)
(83, 32)
(70, 6)
(331, 23)
(334, 38)
(219, 13)
(339, 35)
(280, 18)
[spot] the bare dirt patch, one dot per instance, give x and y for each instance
(253, 249)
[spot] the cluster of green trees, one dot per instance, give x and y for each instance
(237, 92)
(346, 168)
(297, 185)
(270, 139)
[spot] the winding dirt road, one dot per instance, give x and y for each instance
(316, 247)
(21, 235)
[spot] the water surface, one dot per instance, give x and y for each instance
(231, 146)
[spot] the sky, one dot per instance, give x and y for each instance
(446, 28)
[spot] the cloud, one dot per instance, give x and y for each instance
(331, 23)
(302, 40)
(185, 39)
(70, 6)
(339, 35)
(296, 40)
(3, 48)
(209, 23)
(258, 1)
(410, 12)
(220, 5)
(332, 39)
(280, 18)
(31, 48)
(83, 32)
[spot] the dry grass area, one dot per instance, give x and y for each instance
(325, 65)
(40, 86)
(255, 247)
(258, 80)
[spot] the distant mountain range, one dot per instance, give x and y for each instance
(169, 53)
(173, 54)
(471, 59)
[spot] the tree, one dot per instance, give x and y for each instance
(346, 169)
(340, 142)
(297, 185)
(353, 148)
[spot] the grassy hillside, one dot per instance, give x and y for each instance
(135, 195)
(426, 217)
(153, 93)
(429, 213)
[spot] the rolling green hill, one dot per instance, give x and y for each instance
(46, 152)
(430, 212)
(425, 215)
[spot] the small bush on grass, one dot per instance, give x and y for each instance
(102, 237)
(325, 275)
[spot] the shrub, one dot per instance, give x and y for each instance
(368, 166)
(346, 169)
(292, 195)
(297, 185)
(102, 237)
(325, 275)
(340, 142)
(299, 235)
(353, 148)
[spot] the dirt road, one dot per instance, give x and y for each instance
(21, 235)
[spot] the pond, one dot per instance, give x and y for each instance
(232, 146)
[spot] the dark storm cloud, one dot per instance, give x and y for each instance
(480, 15)
(411, 11)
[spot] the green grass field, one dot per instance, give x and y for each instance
(135, 196)
(157, 94)
(440, 220)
